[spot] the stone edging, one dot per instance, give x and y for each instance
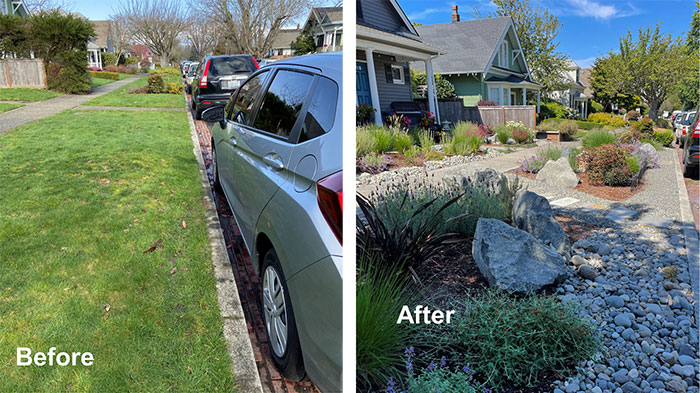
(240, 349)
(690, 234)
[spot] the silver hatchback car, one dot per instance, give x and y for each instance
(277, 155)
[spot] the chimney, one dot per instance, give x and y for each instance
(297, 26)
(455, 14)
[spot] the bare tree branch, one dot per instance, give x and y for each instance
(121, 35)
(200, 34)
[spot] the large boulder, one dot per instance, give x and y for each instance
(650, 151)
(533, 214)
(558, 173)
(513, 260)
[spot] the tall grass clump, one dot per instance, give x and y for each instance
(462, 144)
(597, 137)
(426, 141)
(402, 141)
(573, 158)
(514, 341)
(365, 143)
(384, 139)
(503, 133)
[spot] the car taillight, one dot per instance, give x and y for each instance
(330, 200)
(256, 63)
(203, 81)
(696, 130)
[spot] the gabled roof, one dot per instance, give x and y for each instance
(471, 45)
(406, 28)
(325, 15)
(585, 77)
(285, 37)
(102, 32)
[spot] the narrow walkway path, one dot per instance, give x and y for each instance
(42, 109)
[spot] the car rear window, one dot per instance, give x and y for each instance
(283, 102)
(230, 65)
(321, 114)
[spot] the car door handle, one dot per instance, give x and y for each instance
(273, 160)
(234, 142)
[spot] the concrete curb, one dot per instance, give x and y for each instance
(690, 234)
(240, 349)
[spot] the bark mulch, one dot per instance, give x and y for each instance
(610, 193)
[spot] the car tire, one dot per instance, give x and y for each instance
(286, 355)
(215, 168)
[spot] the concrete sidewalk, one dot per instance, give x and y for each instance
(54, 106)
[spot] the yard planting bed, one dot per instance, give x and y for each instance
(105, 250)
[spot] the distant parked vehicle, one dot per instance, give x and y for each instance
(185, 67)
(217, 78)
(683, 127)
(691, 147)
(277, 156)
(191, 72)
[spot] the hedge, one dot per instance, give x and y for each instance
(105, 75)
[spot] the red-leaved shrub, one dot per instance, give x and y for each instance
(608, 164)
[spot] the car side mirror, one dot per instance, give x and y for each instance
(213, 114)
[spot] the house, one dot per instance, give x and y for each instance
(282, 45)
(325, 24)
(386, 43)
(484, 60)
(574, 96)
(102, 42)
(13, 7)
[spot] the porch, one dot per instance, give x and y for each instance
(511, 90)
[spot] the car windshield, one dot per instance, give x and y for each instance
(230, 65)
(192, 70)
(688, 118)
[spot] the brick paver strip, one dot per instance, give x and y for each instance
(239, 347)
(54, 106)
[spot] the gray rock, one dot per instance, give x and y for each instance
(623, 320)
(587, 272)
(533, 214)
(649, 149)
(615, 301)
(572, 387)
(683, 371)
(687, 350)
(513, 260)
(628, 334)
(620, 376)
(677, 385)
(577, 260)
(603, 249)
(630, 387)
(558, 173)
(686, 360)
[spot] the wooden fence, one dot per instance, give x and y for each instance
(22, 73)
(493, 116)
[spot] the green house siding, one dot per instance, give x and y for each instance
(518, 65)
(467, 87)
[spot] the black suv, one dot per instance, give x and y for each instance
(217, 78)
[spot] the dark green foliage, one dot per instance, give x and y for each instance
(156, 84)
(443, 87)
(304, 44)
(108, 58)
(68, 73)
(664, 137)
(596, 107)
(553, 109)
(14, 36)
(512, 342)
(645, 127)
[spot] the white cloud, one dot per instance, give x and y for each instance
(415, 16)
(591, 8)
(586, 63)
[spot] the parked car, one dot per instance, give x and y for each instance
(217, 78)
(676, 123)
(184, 68)
(276, 154)
(691, 147)
(191, 72)
(684, 126)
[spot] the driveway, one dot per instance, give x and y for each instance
(42, 109)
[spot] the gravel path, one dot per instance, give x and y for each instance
(642, 303)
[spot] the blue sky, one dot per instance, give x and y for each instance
(591, 28)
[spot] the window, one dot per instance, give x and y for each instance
(503, 55)
(321, 114)
(397, 74)
(240, 111)
(282, 103)
(494, 95)
(338, 39)
(319, 40)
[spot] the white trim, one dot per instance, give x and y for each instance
(404, 18)
(373, 90)
(503, 36)
(402, 77)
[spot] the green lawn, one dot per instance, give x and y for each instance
(24, 94)
(8, 107)
(100, 81)
(78, 210)
(122, 97)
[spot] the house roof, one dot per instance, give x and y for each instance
(585, 77)
(470, 44)
(512, 79)
(334, 14)
(285, 37)
(102, 32)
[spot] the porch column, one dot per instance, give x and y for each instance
(524, 96)
(538, 101)
(373, 91)
(501, 96)
(432, 97)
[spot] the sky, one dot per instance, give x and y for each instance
(591, 28)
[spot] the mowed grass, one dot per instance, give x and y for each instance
(25, 94)
(123, 97)
(83, 195)
(4, 107)
(101, 81)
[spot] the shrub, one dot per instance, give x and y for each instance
(662, 123)
(485, 103)
(568, 129)
(502, 134)
(373, 163)
(586, 125)
(597, 137)
(108, 58)
(427, 120)
(380, 295)
(596, 107)
(365, 114)
(549, 125)
(401, 141)
(629, 137)
(520, 136)
(485, 130)
(155, 84)
(384, 140)
(426, 141)
(105, 75)
(68, 73)
(175, 88)
(553, 109)
(165, 70)
(519, 132)
(645, 127)
(664, 137)
(514, 341)
(607, 119)
(398, 122)
(633, 115)
(607, 164)
(365, 143)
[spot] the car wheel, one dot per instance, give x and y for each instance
(215, 168)
(198, 114)
(278, 316)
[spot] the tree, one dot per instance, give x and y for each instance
(443, 87)
(537, 32)
(251, 26)
(121, 35)
(304, 43)
(688, 88)
(199, 35)
(651, 65)
(606, 81)
(693, 39)
(34, 6)
(156, 24)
